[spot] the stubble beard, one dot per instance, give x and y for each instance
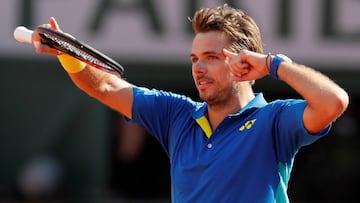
(220, 98)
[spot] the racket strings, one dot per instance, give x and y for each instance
(78, 52)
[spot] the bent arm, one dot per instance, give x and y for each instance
(326, 101)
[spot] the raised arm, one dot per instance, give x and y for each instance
(326, 100)
(107, 88)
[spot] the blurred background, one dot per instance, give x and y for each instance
(59, 145)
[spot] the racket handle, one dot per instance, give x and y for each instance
(23, 34)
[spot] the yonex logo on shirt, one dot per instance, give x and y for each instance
(247, 125)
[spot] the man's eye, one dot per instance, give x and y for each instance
(212, 57)
(194, 60)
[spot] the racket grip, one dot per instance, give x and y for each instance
(23, 34)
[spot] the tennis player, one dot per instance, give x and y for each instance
(233, 146)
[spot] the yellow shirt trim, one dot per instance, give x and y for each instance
(205, 125)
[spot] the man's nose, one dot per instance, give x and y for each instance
(199, 67)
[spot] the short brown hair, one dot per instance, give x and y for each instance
(240, 29)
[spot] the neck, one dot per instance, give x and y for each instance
(217, 112)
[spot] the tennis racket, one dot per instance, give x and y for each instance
(71, 46)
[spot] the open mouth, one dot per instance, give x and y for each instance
(201, 84)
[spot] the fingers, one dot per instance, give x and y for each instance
(240, 68)
(41, 48)
(229, 54)
(234, 62)
(53, 24)
(240, 72)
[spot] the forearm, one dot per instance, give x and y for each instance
(107, 88)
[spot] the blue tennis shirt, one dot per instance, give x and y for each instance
(247, 158)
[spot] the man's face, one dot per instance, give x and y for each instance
(211, 75)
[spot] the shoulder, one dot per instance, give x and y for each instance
(157, 97)
(287, 103)
(284, 109)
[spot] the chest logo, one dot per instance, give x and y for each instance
(247, 125)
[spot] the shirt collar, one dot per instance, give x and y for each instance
(259, 101)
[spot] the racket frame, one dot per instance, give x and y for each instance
(83, 52)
